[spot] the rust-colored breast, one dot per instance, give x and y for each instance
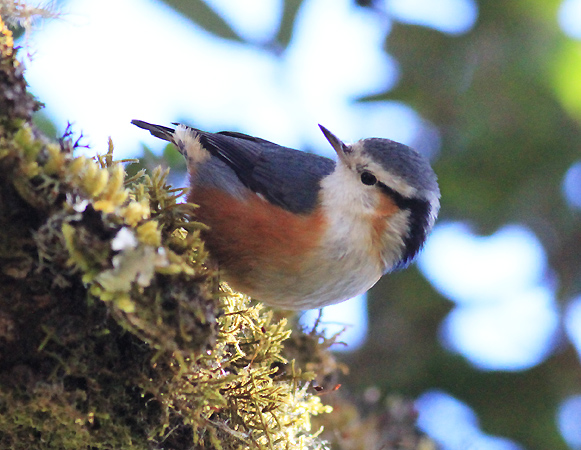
(251, 237)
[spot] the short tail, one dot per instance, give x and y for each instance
(186, 139)
(159, 131)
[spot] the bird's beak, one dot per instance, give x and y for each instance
(341, 149)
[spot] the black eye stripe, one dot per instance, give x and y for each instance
(401, 201)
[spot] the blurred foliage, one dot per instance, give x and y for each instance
(209, 20)
(506, 98)
(206, 17)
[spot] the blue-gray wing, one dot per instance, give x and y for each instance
(286, 177)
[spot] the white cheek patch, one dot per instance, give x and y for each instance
(189, 144)
(349, 206)
(344, 194)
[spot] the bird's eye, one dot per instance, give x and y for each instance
(368, 178)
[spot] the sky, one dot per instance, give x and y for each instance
(145, 61)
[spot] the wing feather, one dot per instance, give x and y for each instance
(286, 177)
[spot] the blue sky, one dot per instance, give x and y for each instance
(105, 63)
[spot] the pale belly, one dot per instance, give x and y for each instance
(322, 281)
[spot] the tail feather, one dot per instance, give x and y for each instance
(161, 132)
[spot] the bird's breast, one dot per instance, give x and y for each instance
(279, 257)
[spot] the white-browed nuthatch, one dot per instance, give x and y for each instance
(302, 231)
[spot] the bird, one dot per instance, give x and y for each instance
(297, 230)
